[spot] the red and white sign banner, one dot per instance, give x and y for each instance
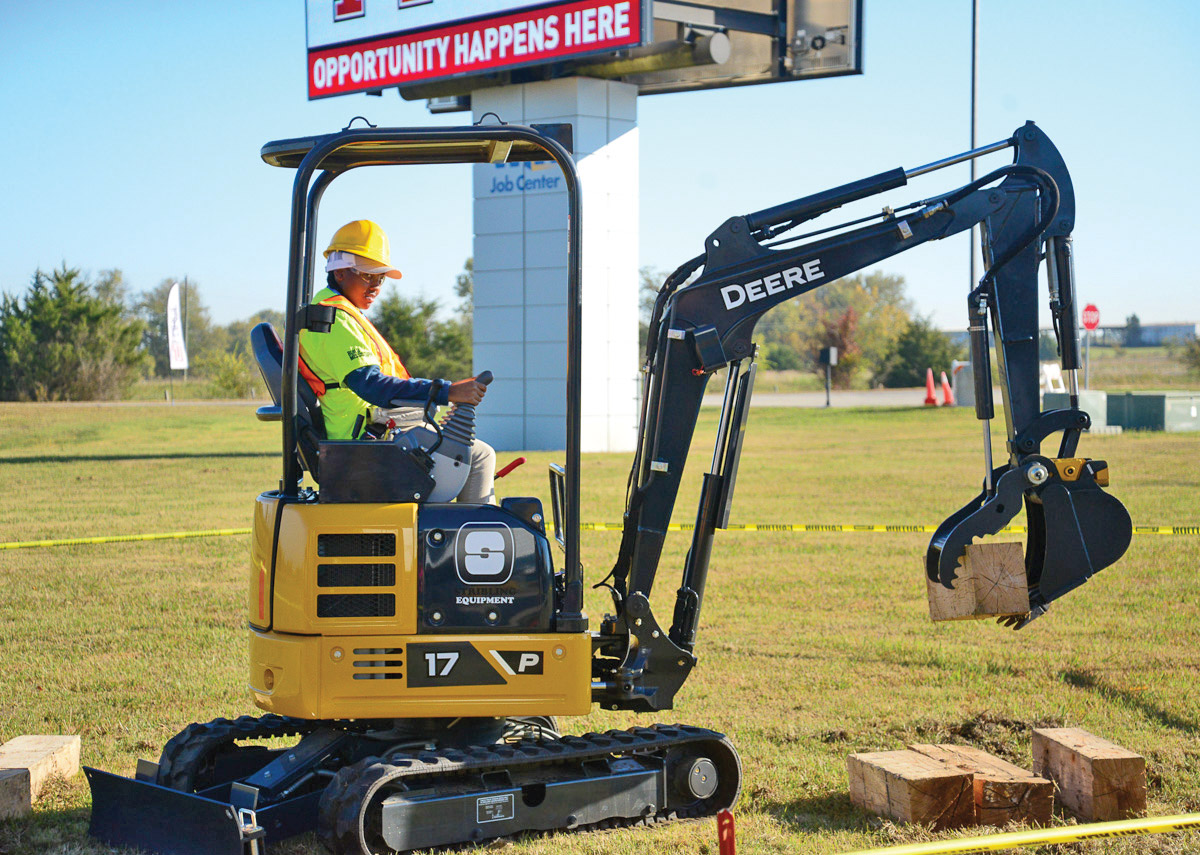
(1090, 316)
(527, 37)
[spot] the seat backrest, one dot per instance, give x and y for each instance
(310, 424)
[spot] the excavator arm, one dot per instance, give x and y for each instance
(1026, 214)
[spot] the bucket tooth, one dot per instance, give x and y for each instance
(981, 517)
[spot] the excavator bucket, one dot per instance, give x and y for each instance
(1075, 529)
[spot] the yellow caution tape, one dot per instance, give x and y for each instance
(819, 528)
(901, 528)
(1044, 836)
(124, 538)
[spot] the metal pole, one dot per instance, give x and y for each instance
(185, 323)
(974, 122)
(828, 380)
(1087, 357)
(987, 425)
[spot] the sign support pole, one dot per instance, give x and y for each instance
(520, 252)
(1087, 358)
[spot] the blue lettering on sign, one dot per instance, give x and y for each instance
(519, 177)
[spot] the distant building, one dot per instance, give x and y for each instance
(1153, 335)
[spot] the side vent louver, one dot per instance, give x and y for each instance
(393, 663)
(380, 602)
(356, 575)
(348, 545)
(356, 605)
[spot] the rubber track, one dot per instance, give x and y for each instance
(354, 789)
(184, 755)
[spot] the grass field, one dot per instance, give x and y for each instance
(1134, 369)
(811, 647)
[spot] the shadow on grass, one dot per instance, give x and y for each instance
(58, 829)
(1085, 680)
(108, 458)
(829, 812)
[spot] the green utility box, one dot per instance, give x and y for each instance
(1169, 411)
(1095, 404)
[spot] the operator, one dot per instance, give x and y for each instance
(353, 369)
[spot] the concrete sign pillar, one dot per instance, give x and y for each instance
(520, 256)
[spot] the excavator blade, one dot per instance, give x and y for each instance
(1077, 529)
(138, 813)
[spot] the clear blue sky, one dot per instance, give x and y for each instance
(132, 133)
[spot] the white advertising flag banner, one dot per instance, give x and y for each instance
(175, 343)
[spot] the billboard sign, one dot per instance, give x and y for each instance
(366, 45)
(771, 41)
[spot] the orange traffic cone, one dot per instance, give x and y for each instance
(930, 400)
(947, 392)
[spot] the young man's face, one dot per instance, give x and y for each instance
(361, 289)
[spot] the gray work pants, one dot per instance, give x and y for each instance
(480, 486)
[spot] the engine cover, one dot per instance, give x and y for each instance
(480, 567)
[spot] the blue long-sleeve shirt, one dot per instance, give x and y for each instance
(382, 390)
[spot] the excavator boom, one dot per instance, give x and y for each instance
(1026, 213)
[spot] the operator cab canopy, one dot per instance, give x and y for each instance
(363, 147)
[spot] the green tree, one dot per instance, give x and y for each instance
(842, 332)
(110, 286)
(1189, 355)
(1133, 331)
(650, 280)
(68, 340)
(234, 337)
(464, 289)
(428, 347)
(919, 348)
(778, 357)
(229, 375)
(808, 323)
(201, 338)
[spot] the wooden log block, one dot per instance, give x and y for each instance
(910, 787)
(43, 757)
(1097, 780)
(15, 798)
(1003, 792)
(991, 583)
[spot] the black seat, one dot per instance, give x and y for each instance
(310, 424)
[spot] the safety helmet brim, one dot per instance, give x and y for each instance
(341, 260)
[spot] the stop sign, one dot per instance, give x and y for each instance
(1090, 316)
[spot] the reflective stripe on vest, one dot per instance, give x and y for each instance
(319, 386)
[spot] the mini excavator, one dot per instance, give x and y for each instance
(422, 650)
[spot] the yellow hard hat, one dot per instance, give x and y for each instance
(368, 241)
